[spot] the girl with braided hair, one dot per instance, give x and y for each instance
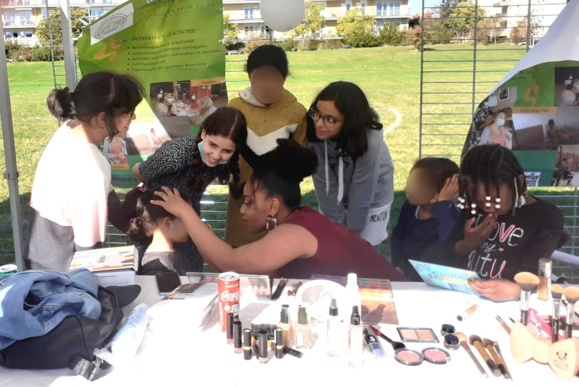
(502, 230)
(190, 164)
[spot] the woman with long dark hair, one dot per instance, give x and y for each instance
(354, 181)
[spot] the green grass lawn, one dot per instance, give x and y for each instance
(390, 76)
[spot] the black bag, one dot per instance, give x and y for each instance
(71, 343)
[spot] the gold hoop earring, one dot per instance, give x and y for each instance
(270, 223)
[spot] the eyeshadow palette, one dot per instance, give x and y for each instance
(417, 335)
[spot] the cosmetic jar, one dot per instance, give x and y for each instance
(447, 329)
(435, 355)
(451, 342)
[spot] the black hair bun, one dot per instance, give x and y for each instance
(59, 103)
(292, 161)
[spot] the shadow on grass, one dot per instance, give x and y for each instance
(6, 234)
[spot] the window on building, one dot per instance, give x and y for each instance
(251, 12)
(381, 9)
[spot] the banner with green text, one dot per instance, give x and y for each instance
(173, 47)
(534, 110)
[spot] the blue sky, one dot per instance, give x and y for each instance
(416, 5)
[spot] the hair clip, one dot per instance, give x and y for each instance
(143, 188)
(461, 201)
(473, 208)
(487, 201)
(498, 203)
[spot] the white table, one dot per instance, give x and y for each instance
(178, 352)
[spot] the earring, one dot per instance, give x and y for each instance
(473, 208)
(498, 203)
(487, 202)
(461, 201)
(270, 223)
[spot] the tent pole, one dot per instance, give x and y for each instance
(11, 173)
(69, 67)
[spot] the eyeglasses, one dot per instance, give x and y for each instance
(328, 121)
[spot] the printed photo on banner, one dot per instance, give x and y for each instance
(536, 115)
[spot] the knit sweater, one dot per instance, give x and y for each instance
(265, 125)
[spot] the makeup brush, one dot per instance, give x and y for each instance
(395, 344)
(477, 343)
(527, 282)
(500, 355)
(462, 339)
(498, 361)
(504, 325)
(556, 293)
(572, 295)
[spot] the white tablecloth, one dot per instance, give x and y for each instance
(176, 351)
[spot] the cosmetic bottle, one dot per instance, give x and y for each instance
(286, 325)
(355, 340)
(353, 293)
(333, 330)
(545, 270)
(303, 330)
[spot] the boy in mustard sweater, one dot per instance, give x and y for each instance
(271, 112)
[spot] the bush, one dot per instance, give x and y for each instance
(41, 54)
(391, 35)
(256, 40)
(12, 50)
(330, 44)
(357, 29)
(288, 44)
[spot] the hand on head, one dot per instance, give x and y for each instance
(172, 201)
(475, 235)
(496, 289)
(449, 190)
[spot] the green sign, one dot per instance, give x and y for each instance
(173, 47)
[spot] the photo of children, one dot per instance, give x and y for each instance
(492, 121)
(181, 106)
(115, 150)
(566, 86)
(144, 139)
(567, 167)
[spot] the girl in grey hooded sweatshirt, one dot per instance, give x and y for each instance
(354, 182)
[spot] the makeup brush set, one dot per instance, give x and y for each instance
(530, 338)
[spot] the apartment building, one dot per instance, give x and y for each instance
(246, 14)
(21, 17)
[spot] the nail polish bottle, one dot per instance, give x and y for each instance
(303, 330)
(286, 325)
(333, 330)
(355, 340)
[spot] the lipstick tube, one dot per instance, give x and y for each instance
(262, 346)
(237, 345)
(247, 351)
(279, 343)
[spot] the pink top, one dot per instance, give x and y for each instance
(340, 251)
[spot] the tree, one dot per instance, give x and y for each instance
(489, 29)
(463, 18)
(231, 34)
(313, 20)
(391, 35)
(357, 29)
(520, 32)
(415, 36)
(53, 22)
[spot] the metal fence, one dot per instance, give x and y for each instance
(461, 65)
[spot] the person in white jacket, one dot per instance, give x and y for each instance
(354, 182)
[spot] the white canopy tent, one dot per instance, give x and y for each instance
(11, 173)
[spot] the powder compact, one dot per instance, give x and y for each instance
(435, 355)
(408, 356)
(417, 335)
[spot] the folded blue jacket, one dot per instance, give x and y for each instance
(33, 302)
